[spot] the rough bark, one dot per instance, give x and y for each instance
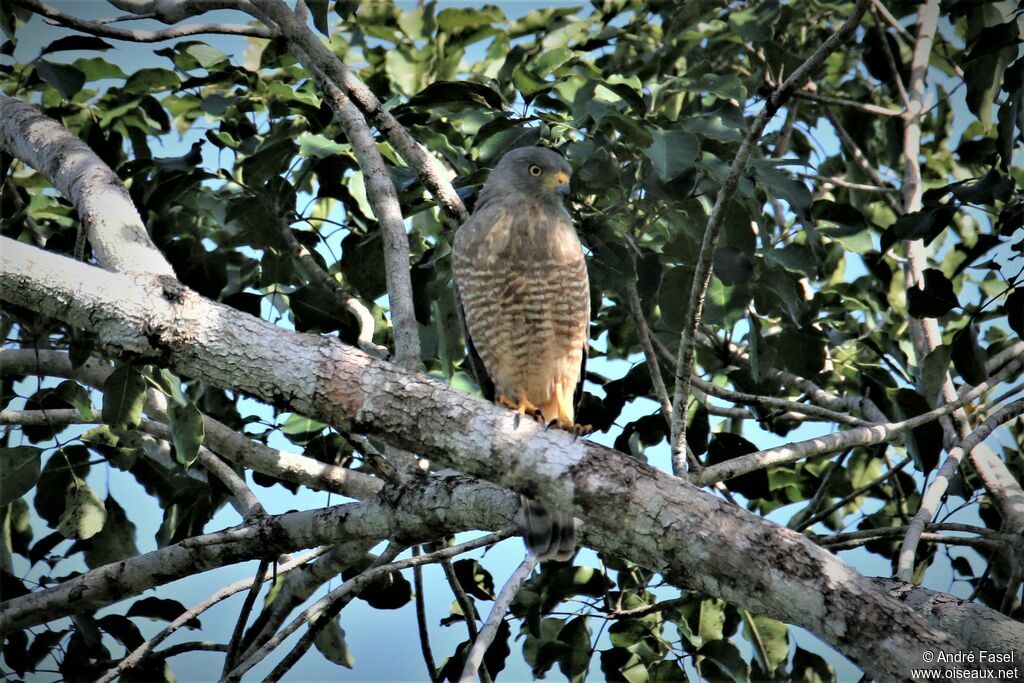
(628, 507)
(115, 230)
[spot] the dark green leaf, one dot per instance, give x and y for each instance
(187, 431)
(935, 300)
(76, 43)
(76, 395)
(968, 356)
(732, 266)
(933, 372)
(1015, 311)
(925, 224)
(19, 472)
(671, 152)
(162, 609)
(725, 446)
(116, 541)
(65, 79)
(124, 394)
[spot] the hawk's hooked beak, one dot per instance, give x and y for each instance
(560, 184)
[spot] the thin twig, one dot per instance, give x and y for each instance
(860, 436)
(142, 651)
(933, 495)
(356, 584)
(860, 490)
(702, 271)
(483, 641)
(850, 104)
(421, 617)
(243, 618)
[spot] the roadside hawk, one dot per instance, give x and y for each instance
(521, 280)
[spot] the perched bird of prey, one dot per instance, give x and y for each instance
(521, 279)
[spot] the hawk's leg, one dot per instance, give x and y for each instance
(523, 406)
(558, 412)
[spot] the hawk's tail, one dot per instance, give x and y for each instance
(548, 534)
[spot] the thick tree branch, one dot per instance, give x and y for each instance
(627, 506)
(116, 232)
(702, 270)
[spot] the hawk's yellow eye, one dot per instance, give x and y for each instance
(535, 170)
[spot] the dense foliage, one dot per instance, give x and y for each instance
(649, 102)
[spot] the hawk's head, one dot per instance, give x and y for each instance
(534, 171)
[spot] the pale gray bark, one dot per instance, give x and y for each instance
(117, 234)
(628, 507)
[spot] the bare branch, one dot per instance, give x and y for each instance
(486, 636)
(334, 289)
(98, 28)
(937, 489)
(843, 102)
(354, 585)
(116, 232)
(320, 60)
(702, 271)
(136, 656)
(861, 436)
(842, 182)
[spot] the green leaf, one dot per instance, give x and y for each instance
(320, 146)
(671, 152)
(719, 660)
(84, 512)
(145, 81)
(935, 300)
(76, 395)
(331, 644)
(76, 43)
(161, 608)
(551, 60)
(925, 224)
(65, 79)
(770, 639)
(187, 431)
(933, 372)
(968, 356)
(575, 660)
(116, 541)
(318, 10)
(124, 394)
(781, 185)
(19, 472)
(809, 667)
(732, 266)
(474, 579)
(1015, 311)
(801, 350)
(207, 56)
